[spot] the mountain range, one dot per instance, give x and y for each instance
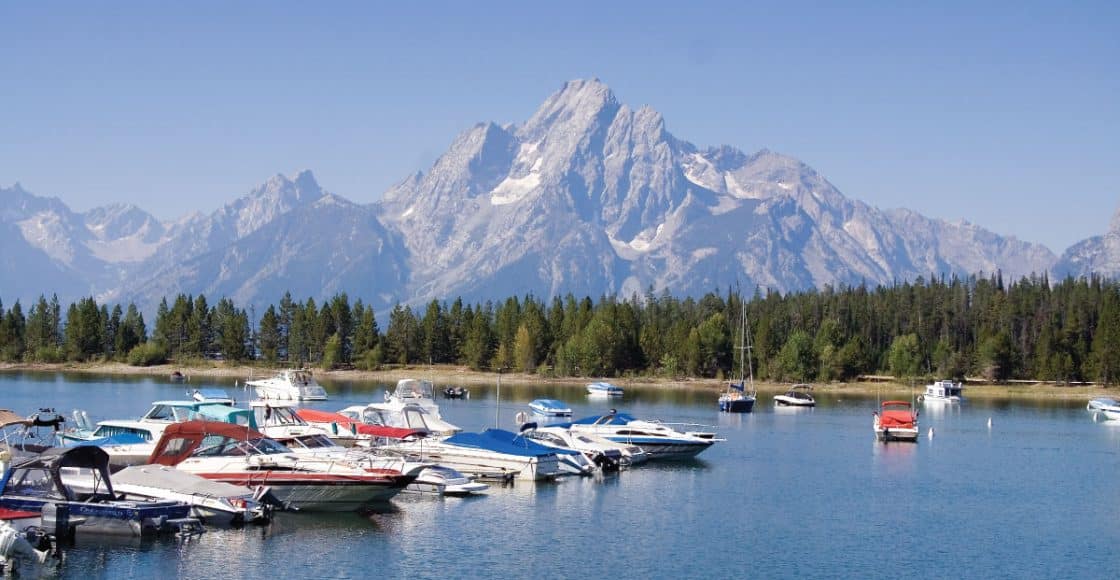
(588, 196)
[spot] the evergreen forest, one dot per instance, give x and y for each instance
(976, 327)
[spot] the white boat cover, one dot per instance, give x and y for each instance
(163, 477)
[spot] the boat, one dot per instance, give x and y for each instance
(245, 457)
(799, 395)
(131, 441)
(430, 478)
(212, 502)
(456, 393)
(177, 377)
(657, 439)
(443, 480)
(410, 415)
(896, 421)
(485, 456)
(1105, 408)
(72, 489)
(211, 395)
(289, 385)
(600, 451)
(604, 389)
(741, 396)
(550, 408)
(944, 391)
(25, 437)
(278, 419)
(413, 392)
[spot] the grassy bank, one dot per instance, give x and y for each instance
(447, 374)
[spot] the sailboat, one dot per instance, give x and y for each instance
(740, 397)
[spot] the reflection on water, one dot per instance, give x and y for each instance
(1032, 484)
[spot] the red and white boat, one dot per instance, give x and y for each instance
(896, 421)
(242, 456)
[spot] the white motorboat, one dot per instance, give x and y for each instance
(212, 502)
(131, 441)
(483, 456)
(944, 391)
(402, 415)
(1105, 408)
(443, 480)
(289, 385)
(418, 392)
(604, 389)
(280, 419)
(657, 439)
(800, 395)
(600, 451)
(244, 457)
(550, 408)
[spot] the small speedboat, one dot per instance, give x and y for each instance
(456, 393)
(1105, 407)
(213, 502)
(550, 408)
(604, 389)
(896, 421)
(796, 396)
(72, 489)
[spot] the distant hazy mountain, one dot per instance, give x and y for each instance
(588, 196)
(1098, 254)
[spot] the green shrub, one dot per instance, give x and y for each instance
(147, 354)
(48, 354)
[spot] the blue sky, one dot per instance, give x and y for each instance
(1004, 114)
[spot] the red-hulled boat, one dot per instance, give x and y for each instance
(896, 421)
(242, 456)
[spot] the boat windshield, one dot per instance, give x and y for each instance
(271, 416)
(310, 442)
(413, 389)
(105, 431)
(173, 413)
(374, 417)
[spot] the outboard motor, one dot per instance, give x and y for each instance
(609, 461)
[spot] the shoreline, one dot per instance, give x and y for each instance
(451, 374)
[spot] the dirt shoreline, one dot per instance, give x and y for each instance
(443, 375)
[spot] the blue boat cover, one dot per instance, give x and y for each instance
(118, 439)
(519, 441)
(500, 441)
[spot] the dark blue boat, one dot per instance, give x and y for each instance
(49, 484)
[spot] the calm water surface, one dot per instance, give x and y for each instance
(791, 493)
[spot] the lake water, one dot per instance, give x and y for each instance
(791, 493)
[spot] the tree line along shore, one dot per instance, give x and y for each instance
(1063, 333)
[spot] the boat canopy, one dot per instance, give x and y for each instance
(9, 417)
(227, 414)
(180, 440)
(413, 389)
(53, 460)
(341, 422)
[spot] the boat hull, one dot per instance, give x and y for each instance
(116, 518)
(321, 493)
(666, 451)
(487, 465)
(741, 405)
(783, 401)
